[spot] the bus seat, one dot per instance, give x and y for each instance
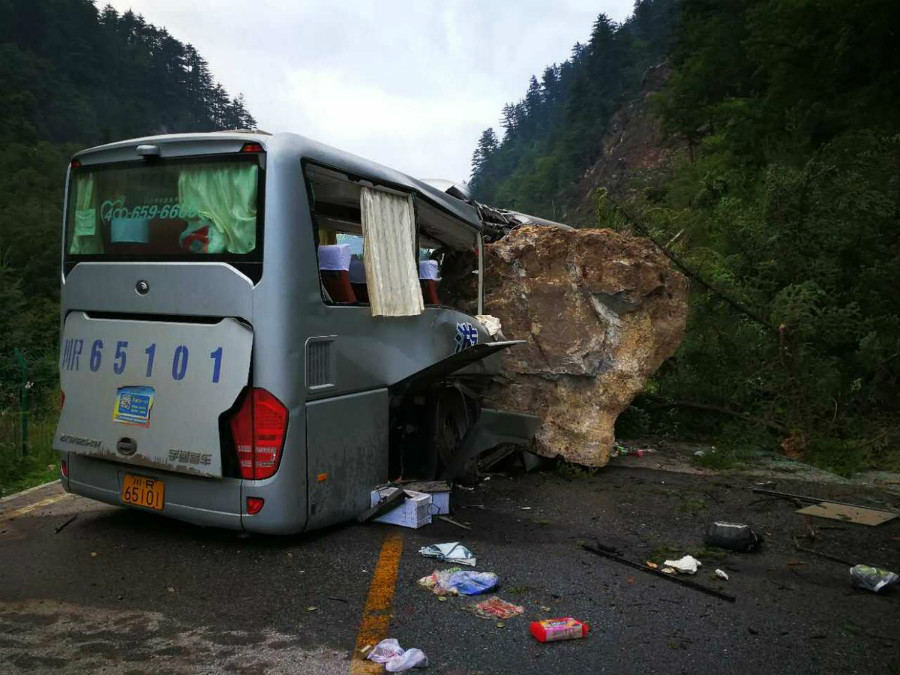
(334, 269)
(429, 276)
(358, 280)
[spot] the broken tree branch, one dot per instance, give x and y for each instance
(663, 575)
(692, 273)
(775, 426)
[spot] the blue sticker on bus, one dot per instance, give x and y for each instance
(133, 405)
(466, 336)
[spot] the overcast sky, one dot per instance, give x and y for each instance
(411, 84)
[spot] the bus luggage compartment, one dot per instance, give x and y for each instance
(150, 393)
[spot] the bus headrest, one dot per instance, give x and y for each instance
(429, 270)
(357, 271)
(335, 257)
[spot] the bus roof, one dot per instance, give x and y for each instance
(304, 148)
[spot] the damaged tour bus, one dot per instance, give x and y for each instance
(259, 329)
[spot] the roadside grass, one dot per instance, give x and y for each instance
(39, 465)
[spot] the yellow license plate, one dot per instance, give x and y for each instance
(143, 491)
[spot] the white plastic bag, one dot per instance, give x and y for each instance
(686, 565)
(452, 552)
(395, 658)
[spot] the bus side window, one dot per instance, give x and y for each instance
(341, 268)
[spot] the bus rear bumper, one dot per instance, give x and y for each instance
(212, 502)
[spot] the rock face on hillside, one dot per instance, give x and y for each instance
(601, 311)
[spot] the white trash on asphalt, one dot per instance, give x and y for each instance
(453, 552)
(872, 578)
(722, 575)
(395, 658)
(686, 565)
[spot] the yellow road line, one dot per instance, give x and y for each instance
(31, 507)
(376, 618)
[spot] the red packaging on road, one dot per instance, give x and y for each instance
(565, 628)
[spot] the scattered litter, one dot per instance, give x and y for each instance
(93, 554)
(395, 658)
(526, 508)
(414, 512)
(662, 574)
(652, 565)
(848, 514)
(363, 650)
(454, 552)
(455, 581)
(448, 519)
(545, 609)
(732, 536)
(494, 608)
(721, 574)
(311, 608)
(551, 630)
(171, 589)
(500, 624)
(699, 453)
(668, 570)
(686, 565)
(871, 578)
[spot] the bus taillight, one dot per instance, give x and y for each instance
(258, 429)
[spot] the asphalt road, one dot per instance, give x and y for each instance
(123, 591)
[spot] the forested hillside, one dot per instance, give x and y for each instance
(72, 76)
(782, 203)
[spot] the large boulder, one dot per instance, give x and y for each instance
(600, 310)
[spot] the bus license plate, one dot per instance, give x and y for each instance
(142, 491)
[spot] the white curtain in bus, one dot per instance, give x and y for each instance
(389, 242)
(224, 196)
(85, 237)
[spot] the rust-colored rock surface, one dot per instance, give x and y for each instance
(601, 311)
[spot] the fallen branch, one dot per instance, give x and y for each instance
(774, 426)
(66, 524)
(820, 500)
(692, 273)
(663, 575)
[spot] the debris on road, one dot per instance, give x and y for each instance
(448, 519)
(439, 491)
(395, 658)
(455, 581)
(551, 630)
(829, 508)
(662, 574)
(453, 552)
(383, 505)
(721, 574)
(414, 512)
(871, 578)
(686, 565)
(66, 524)
(848, 514)
(732, 536)
(495, 608)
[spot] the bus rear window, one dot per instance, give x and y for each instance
(164, 210)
